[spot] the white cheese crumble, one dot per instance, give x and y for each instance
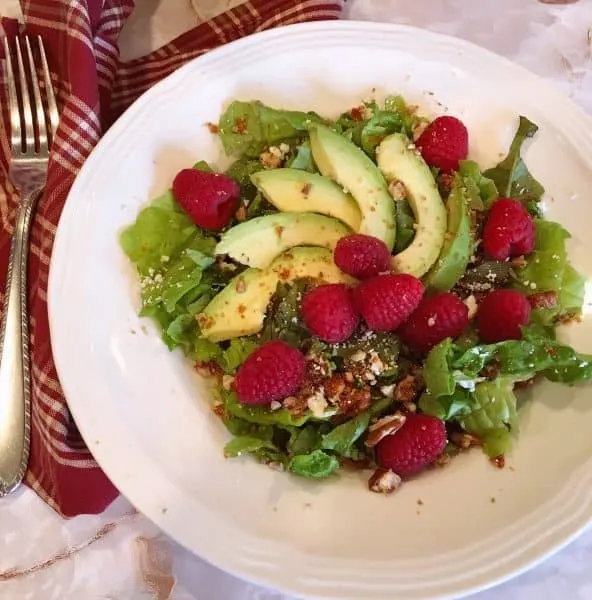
(317, 403)
(471, 303)
(376, 365)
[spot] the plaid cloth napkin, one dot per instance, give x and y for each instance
(94, 88)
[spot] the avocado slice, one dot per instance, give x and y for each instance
(239, 309)
(342, 161)
(399, 160)
(458, 244)
(257, 242)
(294, 190)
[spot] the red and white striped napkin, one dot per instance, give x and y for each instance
(94, 88)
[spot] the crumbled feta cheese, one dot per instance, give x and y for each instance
(275, 405)
(471, 303)
(388, 390)
(431, 321)
(164, 258)
(358, 356)
(376, 365)
(317, 403)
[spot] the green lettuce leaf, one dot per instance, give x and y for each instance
(572, 291)
(173, 259)
(306, 439)
(342, 438)
(436, 370)
(524, 358)
(202, 165)
(511, 176)
(546, 265)
(261, 415)
(161, 231)
(241, 170)
(283, 321)
(247, 444)
(405, 225)
(482, 190)
(246, 128)
(548, 269)
(236, 353)
(302, 158)
(316, 465)
(381, 124)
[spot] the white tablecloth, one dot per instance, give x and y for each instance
(120, 555)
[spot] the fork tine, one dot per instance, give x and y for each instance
(39, 111)
(15, 119)
(26, 103)
(54, 117)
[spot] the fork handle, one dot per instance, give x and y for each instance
(15, 391)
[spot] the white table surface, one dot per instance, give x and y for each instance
(120, 555)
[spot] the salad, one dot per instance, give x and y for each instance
(360, 292)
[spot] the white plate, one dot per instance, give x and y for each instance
(141, 409)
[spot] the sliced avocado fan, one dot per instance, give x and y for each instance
(342, 161)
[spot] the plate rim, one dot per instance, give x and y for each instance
(569, 530)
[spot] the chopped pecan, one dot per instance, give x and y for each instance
(354, 465)
(525, 384)
(358, 113)
(383, 427)
(519, 262)
(445, 183)
(241, 213)
(213, 128)
(354, 401)
(443, 460)
(408, 388)
(240, 126)
(384, 481)
(296, 405)
(499, 461)
(209, 368)
(270, 160)
(465, 440)
(397, 189)
(227, 382)
(334, 387)
(543, 300)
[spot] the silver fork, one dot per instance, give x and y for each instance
(32, 130)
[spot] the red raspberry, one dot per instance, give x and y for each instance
(362, 256)
(509, 230)
(328, 311)
(501, 313)
(417, 444)
(210, 199)
(385, 301)
(272, 372)
(436, 318)
(443, 143)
